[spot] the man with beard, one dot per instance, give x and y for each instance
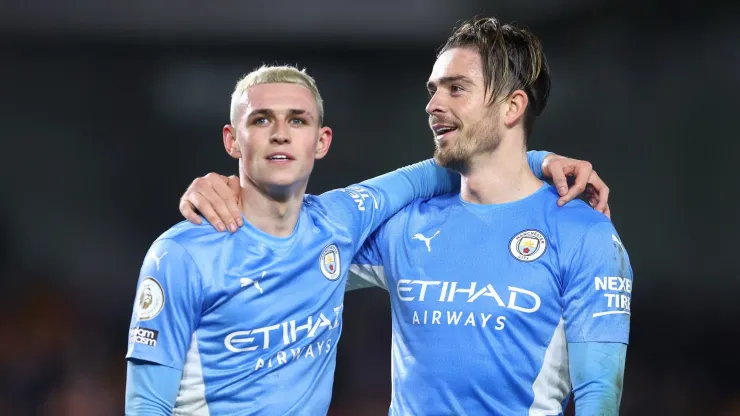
(515, 303)
(502, 302)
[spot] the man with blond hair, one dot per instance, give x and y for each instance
(502, 302)
(247, 323)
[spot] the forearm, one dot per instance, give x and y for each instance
(151, 389)
(597, 375)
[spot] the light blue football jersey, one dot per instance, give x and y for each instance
(485, 299)
(253, 320)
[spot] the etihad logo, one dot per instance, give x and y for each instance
(517, 299)
(307, 338)
(287, 332)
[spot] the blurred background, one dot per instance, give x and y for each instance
(109, 110)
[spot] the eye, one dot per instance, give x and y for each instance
(297, 121)
(260, 121)
(456, 88)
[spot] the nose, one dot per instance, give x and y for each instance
(435, 105)
(280, 134)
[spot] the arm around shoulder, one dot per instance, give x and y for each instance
(365, 206)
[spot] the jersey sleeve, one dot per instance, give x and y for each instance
(167, 306)
(367, 268)
(535, 159)
(362, 208)
(597, 288)
(151, 389)
(597, 375)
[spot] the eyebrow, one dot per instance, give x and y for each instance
(449, 80)
(271, 113)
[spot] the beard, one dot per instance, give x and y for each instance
(482, 137)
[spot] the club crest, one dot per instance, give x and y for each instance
(528, 245)
(329, 262)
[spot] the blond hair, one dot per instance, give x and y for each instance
(275, 74)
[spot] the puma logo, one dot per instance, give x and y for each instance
(245, 281)
(427, 241)
(156, 259)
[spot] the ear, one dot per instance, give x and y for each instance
(322, 146)
(230, 143)
(514, 108)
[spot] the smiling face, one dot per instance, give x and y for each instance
(489, 83)
(462, 120)
(277, 135)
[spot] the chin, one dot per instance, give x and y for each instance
(288, 179)
(282, 181)
(443, 154)
(451, 158)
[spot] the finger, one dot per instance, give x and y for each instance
(229, 199)
(558, 178)
(593, 200)
(601, 189)
(582, 173)
(588, 197)
(214, 208)
(214, 192)
(575, 190)
(202, 196)
(206, 210)
(188, 211)
(603, 199)
(235, 187)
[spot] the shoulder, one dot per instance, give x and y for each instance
(317, 205)
(574, 218)
(339, 209)
(430, 206)
(324, 212)
(198, 251)
(576, 223)
(354, 197)
(195, 240)
(185, 233)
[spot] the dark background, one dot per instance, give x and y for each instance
(109, 110)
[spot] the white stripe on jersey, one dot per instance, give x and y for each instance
(362, 276)
(552, 384)
(191, 398)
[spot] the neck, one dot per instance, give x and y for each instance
(500, 176)
(274, 211)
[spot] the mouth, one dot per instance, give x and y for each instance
(442, 129)
(280, 157)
